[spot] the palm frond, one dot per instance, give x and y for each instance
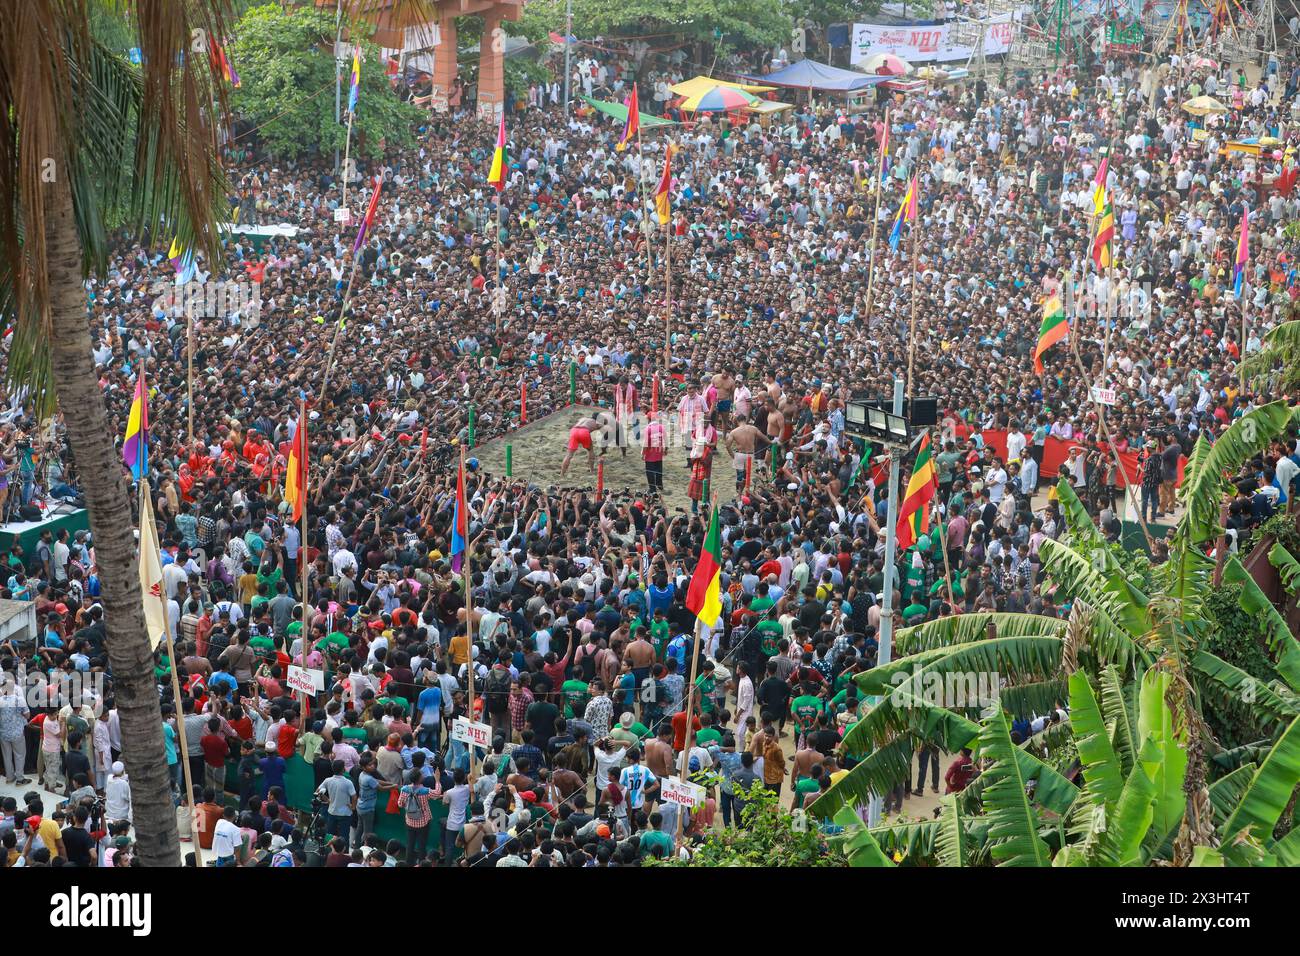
(1164, 750)
(1269, 791)
(1204, 480)
(1013, 824)
(1285, 648)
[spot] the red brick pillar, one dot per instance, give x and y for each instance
(491, 66)
(444, 63)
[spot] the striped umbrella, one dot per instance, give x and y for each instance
(718, 99)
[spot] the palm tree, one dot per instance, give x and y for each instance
(93, 149)
(1128, 622)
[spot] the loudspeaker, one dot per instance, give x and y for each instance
(921, 412)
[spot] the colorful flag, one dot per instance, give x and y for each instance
(1055, 327)
(223, 64)
(182, 261)
(884, 155)
(1243, 255)
(135, 447)
(151, 577)
(633, 122)
(459, 524)
(295, 476)
(354, 89)
(906, 213)
(703, 598)
(369, 217)
(1099, 187)
(497, 174)
(914, 514)
(1101, 253)
(663, 192)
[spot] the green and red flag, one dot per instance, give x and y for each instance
(704, 597)
(914, 515)
(1055, 327)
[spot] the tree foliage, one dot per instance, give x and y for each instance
(758, 22)
(287, 92)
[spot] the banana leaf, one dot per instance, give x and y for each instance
(1207, 856)
(1203, 478)
(1164, 751)
(901, 712)
(1285, 648)
(1270, 789)
(1130, 820)
(1015, 658)
(1101, 766)
(859, 845)
(1226, 792)
(1119, 709)
(1237, 689)
(969, 628)
(1287, 849)
(1118, 622)
(876, 773)
(1013, 824)
(1035, 697)
(1084, 536)
(952, 844)
(1287, 566)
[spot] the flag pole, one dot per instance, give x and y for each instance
(640, 188)
(302, 553)
(343, 311)
(469, 620)
(875, 219)
(668, 294)
(189, 372)
(916, 280)
(146, 514)
(943, 538)
(498, 287)
(347, 148)
(690, 687)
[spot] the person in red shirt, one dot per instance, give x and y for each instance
(287, 740)
(215, 750)
(679, 725)
(961, 773)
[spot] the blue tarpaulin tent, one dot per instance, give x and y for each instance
(822, 77)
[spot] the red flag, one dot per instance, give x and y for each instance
(424, 441)
(523, 401)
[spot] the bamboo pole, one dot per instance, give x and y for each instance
(668, 295)
(691, 689)
(347, 147)
(645, 213)
(338, 329)
(916, 280)
(302, 561)
(469, 628)
(875, 218)
(189, 373)
(175, 677)
(499, 286)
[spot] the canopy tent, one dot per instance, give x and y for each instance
(822, 77)
(619, 112)
(702, 84)
(770, 107)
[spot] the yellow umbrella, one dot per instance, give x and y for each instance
(1204, 105)
(702, 84)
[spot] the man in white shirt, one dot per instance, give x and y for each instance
(117, 795)
(226, 839)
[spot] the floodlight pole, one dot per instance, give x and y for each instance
(886, 635)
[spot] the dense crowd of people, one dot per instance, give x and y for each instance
(582, 643)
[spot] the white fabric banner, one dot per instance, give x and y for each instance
(929, 44)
